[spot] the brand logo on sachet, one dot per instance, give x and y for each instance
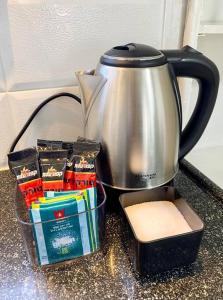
(52, 172)
(59, 214)
(26, 173)
(69, 163)
(83, 164)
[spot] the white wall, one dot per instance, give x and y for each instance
(43, 42)
(207, 154)
(211, 45)
(212, 11)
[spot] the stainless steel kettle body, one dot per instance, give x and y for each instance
(136, 119)
(135, 113)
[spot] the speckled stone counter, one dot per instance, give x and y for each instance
(108, 275)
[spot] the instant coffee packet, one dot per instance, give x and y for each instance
(84, 156)
(43, 145)
(53, 165)
(69, 172)
(24, 165)
(84, 140)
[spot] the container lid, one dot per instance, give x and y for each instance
(133, 55)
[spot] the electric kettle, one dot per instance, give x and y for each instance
(131, 105)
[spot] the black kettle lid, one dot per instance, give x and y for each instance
(133, 55)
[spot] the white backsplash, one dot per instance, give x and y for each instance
(47, 40)
(2, 79)
(7, 129)
(43, 42)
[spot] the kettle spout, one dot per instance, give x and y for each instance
(90, 85)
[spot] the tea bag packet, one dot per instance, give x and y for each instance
(90, 197)
(92, 200)
(24, 165)
(53, 165)
(53, 194)
(45, 204)
(47, 200)
(90, 194)
(63, 230)
(69, 173)
(84, 156)
(43, 145)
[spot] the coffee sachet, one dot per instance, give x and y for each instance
(53, 165)
(69, 172)
(24, 165)
(43, 145)
(85, 140)
(85, 154)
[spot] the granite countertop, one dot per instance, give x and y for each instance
(108, 274)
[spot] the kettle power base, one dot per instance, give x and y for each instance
(165, 253)
(123, 189)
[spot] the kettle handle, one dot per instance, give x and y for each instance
(188, 62)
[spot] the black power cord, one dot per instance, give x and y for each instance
(35, 112)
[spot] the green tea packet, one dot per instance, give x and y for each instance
(65, 228)
(92, 198)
